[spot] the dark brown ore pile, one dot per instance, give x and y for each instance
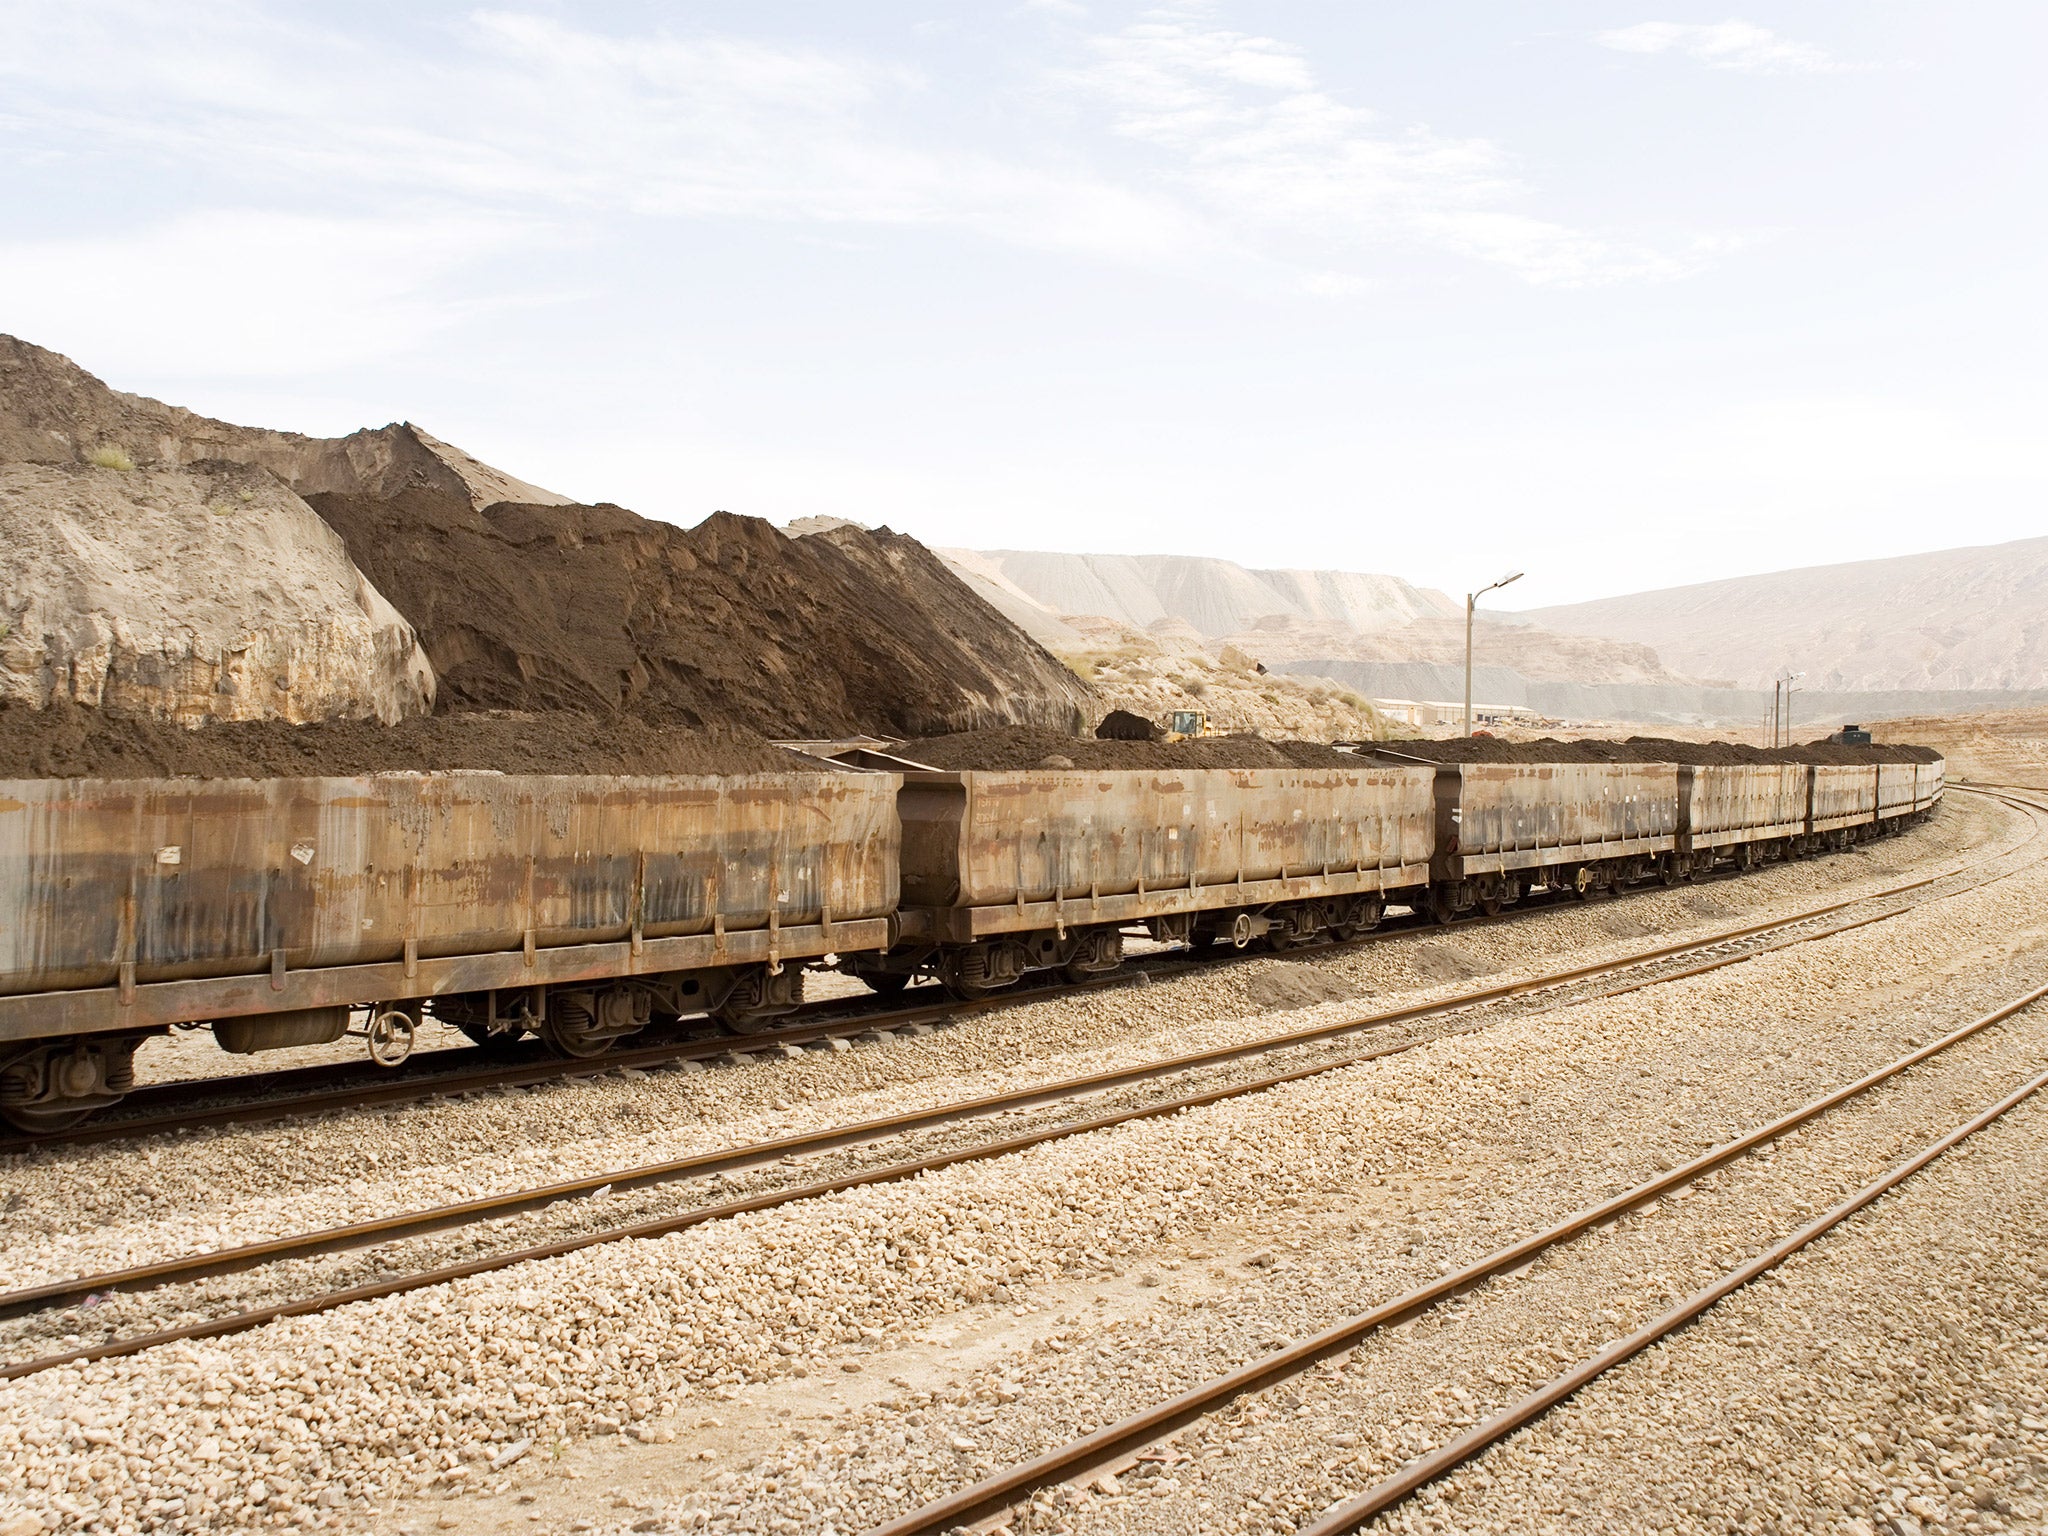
(1648, 749)
(730, 623)
(1022, 748)
(68, 741)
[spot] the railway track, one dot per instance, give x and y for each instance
(256, 1098)
(1117, 1445)
(1658, 965)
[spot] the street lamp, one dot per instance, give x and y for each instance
(1790, 679)
(1471, 602)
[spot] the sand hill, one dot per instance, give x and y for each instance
(1954, 619)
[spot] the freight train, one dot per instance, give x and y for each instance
(581, 910)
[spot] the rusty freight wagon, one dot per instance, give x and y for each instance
(1503, 828)
(575, 908)
(1742, 811)
(1929, 779)
(1006, 872)
(1844, 800)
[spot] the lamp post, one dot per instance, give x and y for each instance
(1790, 679)
(1472, 602)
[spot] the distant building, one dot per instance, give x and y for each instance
(1422, 713)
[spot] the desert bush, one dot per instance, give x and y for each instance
(109, 457)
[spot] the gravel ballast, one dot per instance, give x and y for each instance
(410, 1399)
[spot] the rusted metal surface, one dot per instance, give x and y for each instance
(146, 901)
(1495, 817)
(1843, 796)
(1745, 803)
(1897, 789)
(988, 852)
(1929, 780)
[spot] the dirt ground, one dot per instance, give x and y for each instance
(1997, 747)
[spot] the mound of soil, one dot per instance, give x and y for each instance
(66, 741)
(730, 623)
(1648, 749)
(1018, 748)
(517, 599)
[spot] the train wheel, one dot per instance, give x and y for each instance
(1490, 904)
(887, 983)
(49, 1088)
(568, 1032)
(46, 1120)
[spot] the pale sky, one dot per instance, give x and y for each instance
(1626, 294)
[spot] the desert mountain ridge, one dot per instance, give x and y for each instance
(1293, 618)
(1966, 618)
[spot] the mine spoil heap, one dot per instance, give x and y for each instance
(168, 567)
(729, 623)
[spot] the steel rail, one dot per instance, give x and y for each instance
(664, 1225)
(659, 1227)
(387, 1090)
(1117, 1441)
(756, 1154)
(1423, 1470)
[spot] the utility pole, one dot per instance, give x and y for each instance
(1776, 684)
(1472, 602)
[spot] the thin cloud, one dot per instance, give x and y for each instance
(1254, 139)
(528, 113)
(1738, 45)
(1220, 153)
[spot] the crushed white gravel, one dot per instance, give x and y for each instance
(394, 1412)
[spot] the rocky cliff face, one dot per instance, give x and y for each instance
(160, 564)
